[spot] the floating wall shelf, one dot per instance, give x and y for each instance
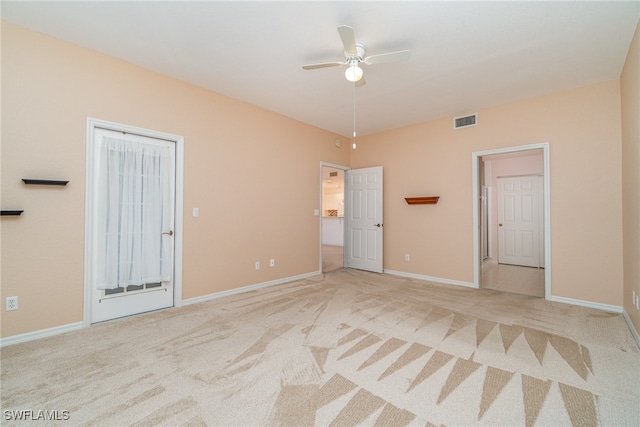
(11, 213)
(422, 200)
(43, 182)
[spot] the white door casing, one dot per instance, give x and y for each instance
(484, 223)
(519, 221)
(364, 221)
(101, 305)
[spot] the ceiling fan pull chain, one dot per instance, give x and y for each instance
(354, 116)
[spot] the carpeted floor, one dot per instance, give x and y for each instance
(344, 348)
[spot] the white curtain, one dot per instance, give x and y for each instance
(135, 208)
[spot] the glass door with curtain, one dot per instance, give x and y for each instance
(132, 218)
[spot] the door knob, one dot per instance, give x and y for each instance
(377, 225)
(499, 225)
(170, 233)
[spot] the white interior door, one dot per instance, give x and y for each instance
(131, 297)
(519, 220)
(364, 222)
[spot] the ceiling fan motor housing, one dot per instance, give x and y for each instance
(360, 51)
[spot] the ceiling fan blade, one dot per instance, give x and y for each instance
(323, 65)
(348, 39)
(402, 55)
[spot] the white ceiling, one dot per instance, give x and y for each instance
(465, 55)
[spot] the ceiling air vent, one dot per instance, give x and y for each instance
(466, 121)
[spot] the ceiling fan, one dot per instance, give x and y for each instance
(354, 54)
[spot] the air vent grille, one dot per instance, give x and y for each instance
(333, 174)
(466, 121)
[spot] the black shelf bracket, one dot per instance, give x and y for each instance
(11, 213)
(44, 182)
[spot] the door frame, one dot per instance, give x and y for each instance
(476, 192)
(92, 124)
(319, 211)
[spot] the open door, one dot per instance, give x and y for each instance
(364, 225)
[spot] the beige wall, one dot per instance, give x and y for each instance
(630, 90)
(582, 127)
(253, 174)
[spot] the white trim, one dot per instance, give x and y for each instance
(634, 332)
(93, 123)
(588, 304)
(475, 157)
(334, 166)
(430, 278)
(248, 288)
(43, 333)
(178, 223)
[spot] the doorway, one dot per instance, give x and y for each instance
(494, 250)
(332, 216)
(133, 226)
(351, 224)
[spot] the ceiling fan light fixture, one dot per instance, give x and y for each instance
(353, 73)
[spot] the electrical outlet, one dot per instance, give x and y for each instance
(11, 303)
(407, 257)
(272, 262)
(257, 265)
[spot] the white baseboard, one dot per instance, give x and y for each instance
(431, 279)
(235, 291)
(43, 333)
(634, 332)
(582, 303)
